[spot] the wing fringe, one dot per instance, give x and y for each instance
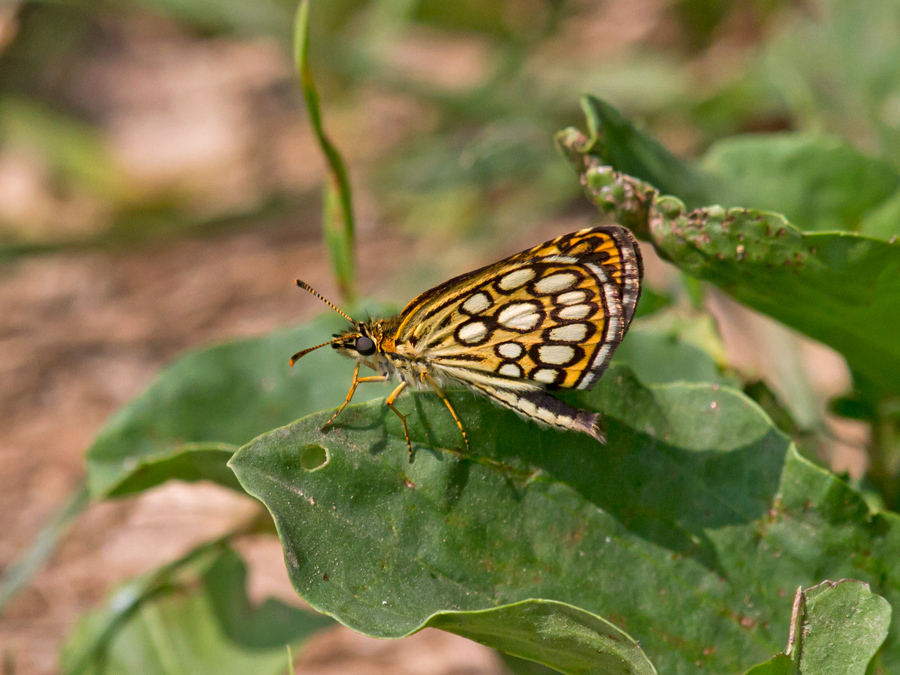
(590, 424)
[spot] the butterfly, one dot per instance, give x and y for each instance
(544, 319)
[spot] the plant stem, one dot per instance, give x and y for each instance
(337, 222)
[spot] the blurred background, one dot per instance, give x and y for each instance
(160, 189)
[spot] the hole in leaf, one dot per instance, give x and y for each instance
(313, 457)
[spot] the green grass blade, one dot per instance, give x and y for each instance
(44, 545)
(338, 222)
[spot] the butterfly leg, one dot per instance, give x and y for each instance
(390, 404)
(356, 380)
(425, 378)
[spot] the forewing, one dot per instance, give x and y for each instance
(547, 317)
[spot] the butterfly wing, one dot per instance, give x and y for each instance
(545, 318)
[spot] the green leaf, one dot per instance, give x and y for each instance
(698, 507)
(190, 617)
(777, 665)
(843, 625)
(553, 633)
(675, 346)
(884, 221)
(200, 409)
(836, 629)
(816, 182)
(839, 288)
(616, 142)
(188, 462)
(518, 666)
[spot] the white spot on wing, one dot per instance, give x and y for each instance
(510, 370)
(555, 283)
(527, 407)
(556, 354)
(476, 303)
(472, 332)
(574, 312)
(519, 316)
(546, 416)
(547, 375)
(506, 396)
(510, 350)
(516, 279)
(571, 298)
(575, 332)
(564, 421)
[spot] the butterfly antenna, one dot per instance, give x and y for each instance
(304, 352)
(306, 287)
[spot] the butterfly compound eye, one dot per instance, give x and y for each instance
(365, 346)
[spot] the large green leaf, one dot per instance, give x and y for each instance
(690, 530)
(199, 410)
(837, 287)
(190, 617)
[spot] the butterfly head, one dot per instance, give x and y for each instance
(361, 340)
(358, 342)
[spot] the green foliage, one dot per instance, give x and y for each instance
(17, 576)
(192, 616)
(338, 222)
(698, 507)
(540, 543)
(562, 636)
(837, 286)
(819, 183)
(187, 424)
(839, 74)
(845, 608)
